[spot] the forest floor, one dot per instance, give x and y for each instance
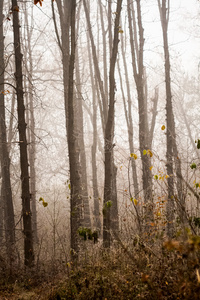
(167, 270)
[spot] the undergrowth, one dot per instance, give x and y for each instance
(168, 270)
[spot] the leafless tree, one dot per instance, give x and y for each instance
(26, 196)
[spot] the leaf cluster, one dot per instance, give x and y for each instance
(88, 234)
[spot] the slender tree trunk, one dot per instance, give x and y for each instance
(11, 129)
(31, 131)
(97, 221)
(6, 194)
(80, 138)
(105, 67)
(96, 66)
(75, 180)
(154, 114)
(129, 121)
(26, 197)
(109, 134)
(137, 50)
(164, 16)
(64, 15)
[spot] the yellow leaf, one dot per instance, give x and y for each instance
(166, 283)
(144, 152)
(156, 177)
(135, 201)
(134, 155)
(151, 168)
(44, 204)
(163, 127)
(131, 199)
(121, 31)
(167, 176)
(149, 153)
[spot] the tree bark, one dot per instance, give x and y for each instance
(6, 194)
(164, 16)
(31, 131)
(75, 181)
(97, 221)
(137, 50)
(96, 66)
(110, 172)
(81, 146)
(64, 44)
(26, 197)
(129, 122)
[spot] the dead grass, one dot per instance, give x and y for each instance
(169, 270)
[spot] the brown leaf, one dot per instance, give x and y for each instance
(38, 1)
(144, 277)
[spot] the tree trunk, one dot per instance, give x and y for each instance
(75, 180)
(6, 194)
(97, 221)
(96, 66)
(129, 122)
(26, 197)
(64, 14)
(81, 143)
(164, 16)
(31, 132)
(110, 172)
(137, 50)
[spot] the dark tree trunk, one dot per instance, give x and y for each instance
(75, 180)
(26, 197)
(9, 221)
(110, 172)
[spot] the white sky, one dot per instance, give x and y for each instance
(183, 33)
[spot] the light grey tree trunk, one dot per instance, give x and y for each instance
(31, 127)
(137, 49)
(97, 221)
(164, 10)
